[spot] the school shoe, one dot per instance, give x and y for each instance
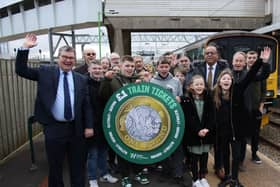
(236, 183)
(204, 182)
(93, 183)
(145, 170)
(197, 183)
(108, 178)
(224, 183)
(256, 159)
(126, 182)
(159, 168)
(141, 178)
(220, 173)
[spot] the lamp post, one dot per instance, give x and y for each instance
(99, 33)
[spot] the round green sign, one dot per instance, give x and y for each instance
(143, 123)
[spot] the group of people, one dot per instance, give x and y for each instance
(216, 97)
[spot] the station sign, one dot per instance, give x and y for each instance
(143, 123)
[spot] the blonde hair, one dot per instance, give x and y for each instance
(189, 88)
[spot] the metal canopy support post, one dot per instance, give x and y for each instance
(51, 45)
(99, 33)
(73, 40)
(61, 38)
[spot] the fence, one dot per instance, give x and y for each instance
(17, 96)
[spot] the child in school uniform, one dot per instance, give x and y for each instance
(198, 109)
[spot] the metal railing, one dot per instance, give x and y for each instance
(17, 96)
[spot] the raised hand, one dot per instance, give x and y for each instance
(30, 41)
(265, 54)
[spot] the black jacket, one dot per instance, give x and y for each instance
(98, 107)
(238, 114)
(192, 122)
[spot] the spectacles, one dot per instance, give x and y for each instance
(210, 53)
(67, 57)
(91, 54)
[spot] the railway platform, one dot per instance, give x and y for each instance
(17, 171)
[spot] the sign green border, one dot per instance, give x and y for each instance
(156, 92)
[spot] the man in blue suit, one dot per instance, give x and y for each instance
(62, 106)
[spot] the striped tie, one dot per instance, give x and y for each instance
(209, 78)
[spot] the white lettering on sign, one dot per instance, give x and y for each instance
(177, 117)
(156, 155)
(177, 132)
(121, 149)
(112, 137)
(108, 120)
(121, 96)
(168, 147)
(112, 106)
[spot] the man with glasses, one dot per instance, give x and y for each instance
(211, 67)
(89, 55)
(62, 106)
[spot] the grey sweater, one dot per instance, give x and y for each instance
(170, 83)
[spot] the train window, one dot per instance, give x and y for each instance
(44, 2)
(241, 48)
(15, 9)
(28, 4)
(228, 46)
(3, 12)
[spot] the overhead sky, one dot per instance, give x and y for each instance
(157, 47)
(43, 45)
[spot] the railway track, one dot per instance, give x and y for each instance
(270, 143)
(270, 136)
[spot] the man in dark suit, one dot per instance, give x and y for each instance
(62, 106)
(211, 67)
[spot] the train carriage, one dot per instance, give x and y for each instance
(229, 42)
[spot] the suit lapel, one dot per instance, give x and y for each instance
(53, 76)
(56, 79)
(76, 88)
(216, 73)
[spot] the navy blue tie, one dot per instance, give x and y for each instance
(67, 101)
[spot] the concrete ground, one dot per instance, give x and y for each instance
(17, 171)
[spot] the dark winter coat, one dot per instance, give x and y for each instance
(238, 115)
(98, 107)
(192, 122)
